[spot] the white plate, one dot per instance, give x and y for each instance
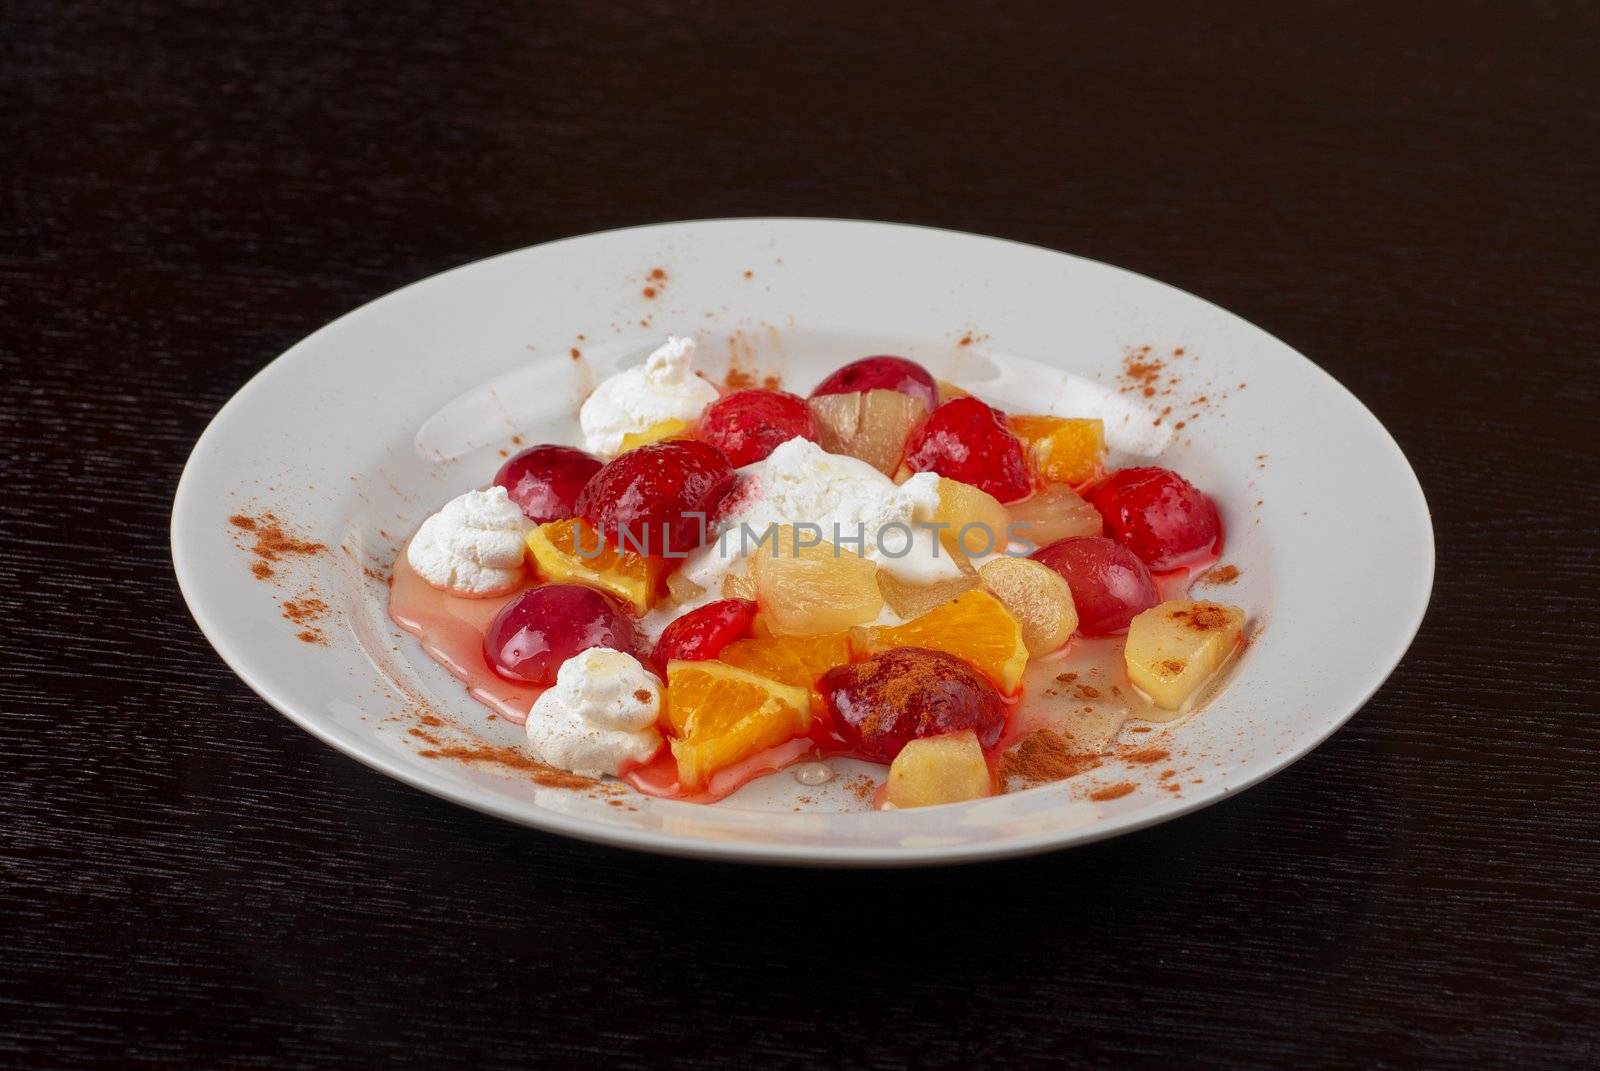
(358, 432)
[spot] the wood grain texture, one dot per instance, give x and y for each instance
(1404, 192)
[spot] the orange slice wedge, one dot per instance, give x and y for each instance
(721, 714)
(1063, 449)
(793, 660)
(976, 627)
(629, 576)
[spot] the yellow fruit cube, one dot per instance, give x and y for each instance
(807, 590)
(976, 520)
(565, 552)
(938, 769)
(1063, 449)
(1174, 648)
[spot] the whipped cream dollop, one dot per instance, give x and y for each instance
(473, 546)
(664, 388)
(599, 716)
(846, 498)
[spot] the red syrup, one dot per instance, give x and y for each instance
(451, 631)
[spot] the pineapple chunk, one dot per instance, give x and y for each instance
(1173, 649)
(976, 520)
(809, 590)
(869, 425)
(938, 769)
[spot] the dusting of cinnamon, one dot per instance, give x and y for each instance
(738, 379)
(1148, 756)
(1044, 756)
(649, 291)
(966, 340)
(1112, 792)
(749, 274)
(273, 542)
(772, 382)
(1085, 691)
(1219, 574)
(643, 695)
(312, 635)
(260, 570)
(658, 274)
(575, 353)
(1203, 617)
(511, 758)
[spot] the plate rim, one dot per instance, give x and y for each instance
(762, 852)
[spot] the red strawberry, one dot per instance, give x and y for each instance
(966, 440)
(747, 425)
(658, 499)
(703, 633)
(1158, 515)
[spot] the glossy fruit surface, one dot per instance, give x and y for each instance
(796, 660)
(1158, 515)
(1067, 450)
(882, 373)
(1053, 512)
(749, 424)
(881, 704)
(975, 627)
(659, 498)
(1110, 585)
(871, 426)
(543, 627)
(721, 715)
(702, 633)
(545, 481)
(966, 440)
(570, 551)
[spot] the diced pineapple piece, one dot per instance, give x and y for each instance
(976, 519)
(1053, 512)
(666, 429)
(1174, 648)
(1037, 597)
(680, 589)
(1067, 449)
(948, 390)
(807, 590)
(938, 769)
(913, 600)
(870, 425)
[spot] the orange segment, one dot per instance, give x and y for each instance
(564, 551)
(1064, 449)
(793, 660)
(721, 714)
(976, 627)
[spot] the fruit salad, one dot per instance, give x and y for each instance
(715, 585)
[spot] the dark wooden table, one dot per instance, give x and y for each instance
(1405, 192)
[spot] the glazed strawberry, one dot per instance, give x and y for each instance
(545, 481)
(543, 627)
(882, 373)
(1110, 585)
(747, 425)
(966, 440)
(881, 704)
(703, 633)
(658, 499)
(1158, 515)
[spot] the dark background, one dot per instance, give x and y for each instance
(1404, 192)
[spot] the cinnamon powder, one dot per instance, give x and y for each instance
(1112, 792)
(1042, 757)
(510, 757)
